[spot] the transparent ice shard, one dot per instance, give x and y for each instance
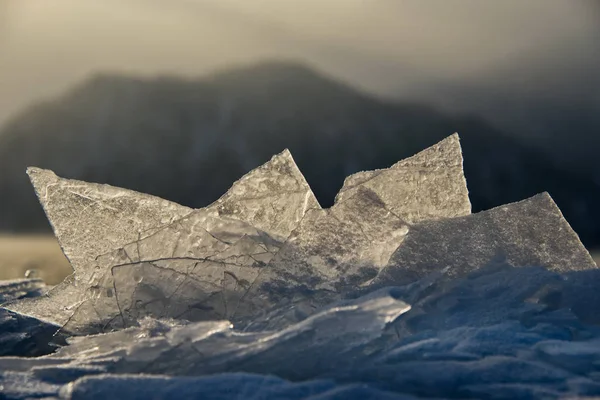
(161, 291)
(429, 185)
(212, 251)
(531, 232)
(197, 268)
(88, 220)
(91, 220)
(273, 197)
(332, 252)
(112, 344)
(342, 249)
(267, 246)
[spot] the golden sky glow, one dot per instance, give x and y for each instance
(48, 45)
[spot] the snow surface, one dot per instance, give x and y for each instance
(501, 332)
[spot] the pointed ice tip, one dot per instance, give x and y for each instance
(31, 171)
(285, 154)
(284, 157)
(454, 138)
(545, 196)
(40, 177)
(443, 194)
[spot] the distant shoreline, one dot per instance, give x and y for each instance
(41, 252)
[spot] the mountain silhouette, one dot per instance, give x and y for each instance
(188, 140)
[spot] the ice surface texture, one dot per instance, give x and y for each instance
(90, 220)
(499, 332)
(395, 291)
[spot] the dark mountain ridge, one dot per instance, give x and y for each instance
(188, 140)
(548, 99)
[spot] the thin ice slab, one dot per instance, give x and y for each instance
(202, 265)
(198, 268)
(202, 276)
(331, 252)
(342, 249)
(531, 232)
(359, 245)
(427, 186)
(89, 219)
(92, 220)
(273, 197)
(267, 243)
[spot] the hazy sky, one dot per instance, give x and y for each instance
(389, 46)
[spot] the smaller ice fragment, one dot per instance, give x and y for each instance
(429, 185)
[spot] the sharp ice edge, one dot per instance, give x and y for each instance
(394, 292)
